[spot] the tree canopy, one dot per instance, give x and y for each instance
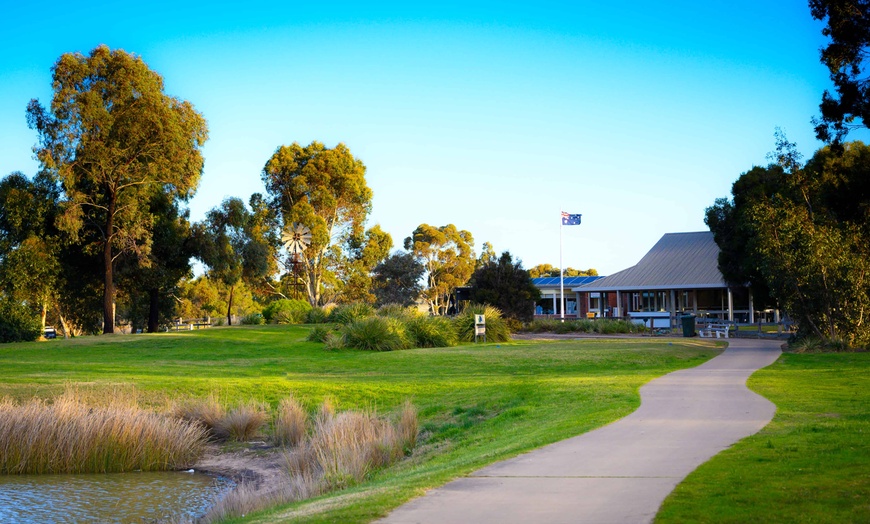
(504, 283)
(548, 270)
(233, 243)
(800, 231)
(447, 255)
(396, 280)
(325, 190)
(113, 139)
(848, 27)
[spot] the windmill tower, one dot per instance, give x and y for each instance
(296, 238)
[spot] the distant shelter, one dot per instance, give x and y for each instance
(680, 274)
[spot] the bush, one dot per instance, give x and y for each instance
(334, 341)
(254, 319)
(431, 332)
(376, 334)
(348, 313)
(286, 311)
(316, 315)
(398, 311)
(18, 324)
(318, 334)
(496, 328)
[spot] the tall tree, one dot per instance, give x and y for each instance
(354, 282)
(151, 284)
(114, 138)
(396, 280)
(505, 284)
(447, 255)
(848, 27)
(801, 231)
(324, 189)
(234, 245)
(29, 267)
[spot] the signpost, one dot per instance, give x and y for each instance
(479, 327)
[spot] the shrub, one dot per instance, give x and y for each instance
(348, 313)
(316, 315)
(318, 334)
(334, 341)
(290, 423)
(254, 319)
(286, 311)
(398, 311)
(431, 332)
(18, 323)
(376, 334)
(496, 328)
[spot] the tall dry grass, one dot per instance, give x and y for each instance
(343, 449)
(243, 422)
(208, 411)
(291, 423)
(68, 436)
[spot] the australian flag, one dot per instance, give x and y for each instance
(570, 220)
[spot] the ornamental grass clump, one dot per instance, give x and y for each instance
(286, 311)
(348, 313)
(318, 334)
(67, 436)
(317, 315)
(377, 334)
(208, 412)
(398, 311)
(431, 332)
(291, 423)
(496, 328)
(242, 423)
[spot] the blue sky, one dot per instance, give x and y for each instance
(492, 116)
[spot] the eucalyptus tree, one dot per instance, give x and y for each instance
(325, 190)
(113, 138)
(235, 245)
(447, 255)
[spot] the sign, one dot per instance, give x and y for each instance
(479, 327)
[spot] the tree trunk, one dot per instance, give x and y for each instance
(230, 306)
(153, 317)
(109, 286)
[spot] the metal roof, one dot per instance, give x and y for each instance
(569, 281)
(677, 261)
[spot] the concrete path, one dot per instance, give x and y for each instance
(622, 472)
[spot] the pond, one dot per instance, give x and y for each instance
(114, 498)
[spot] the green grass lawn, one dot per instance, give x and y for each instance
(477, 404)
(810, 464)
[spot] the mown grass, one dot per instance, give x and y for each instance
(810, 464)
(476, 403)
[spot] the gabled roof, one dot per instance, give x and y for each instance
(677, 261)
(569, 281)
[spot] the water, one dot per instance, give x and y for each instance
(120, 498)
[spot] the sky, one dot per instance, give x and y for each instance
(493, 116)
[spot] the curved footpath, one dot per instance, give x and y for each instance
(622, 472)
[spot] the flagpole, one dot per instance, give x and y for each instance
(561, 271)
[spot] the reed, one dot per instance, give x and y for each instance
(208, 411)
(68, 436)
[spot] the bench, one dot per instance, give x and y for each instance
(720, 330)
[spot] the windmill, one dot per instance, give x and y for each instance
(296, 238)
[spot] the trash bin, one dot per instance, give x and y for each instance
(688, 325)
